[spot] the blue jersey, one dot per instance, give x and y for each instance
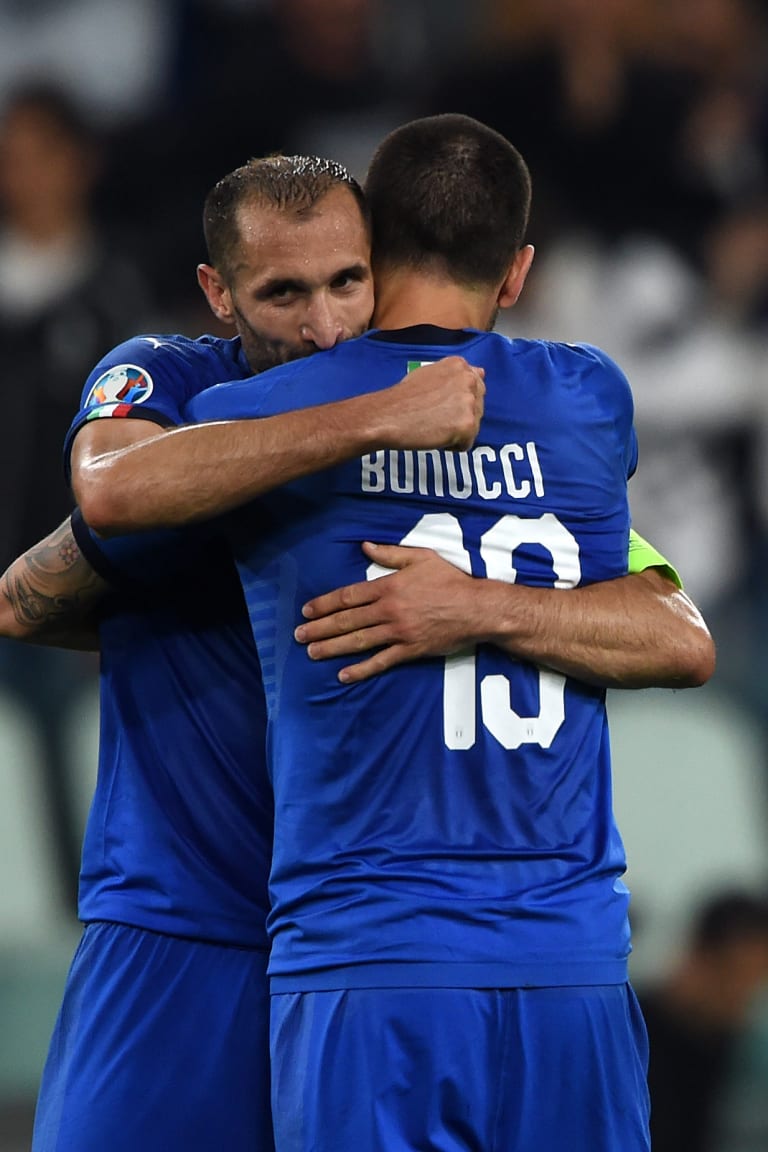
(152, 377)
(178, 839)
(449, 822)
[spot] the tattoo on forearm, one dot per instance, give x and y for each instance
(52, 583)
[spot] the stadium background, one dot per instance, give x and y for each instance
(645, 123)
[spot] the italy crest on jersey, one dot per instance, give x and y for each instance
(123, 384)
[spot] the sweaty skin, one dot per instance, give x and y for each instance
(208, 469)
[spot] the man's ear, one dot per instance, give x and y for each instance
(515, 278)
(216, 292)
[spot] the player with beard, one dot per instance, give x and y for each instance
(248, 459)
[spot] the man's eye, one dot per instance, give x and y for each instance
(281, 294)
(346, 280)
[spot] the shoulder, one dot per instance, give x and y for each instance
(140, 357)
(150, 364)
(585, 366)
(579, 356)
(604, 376)
(591, 357)
(567, 365)
(157, 352)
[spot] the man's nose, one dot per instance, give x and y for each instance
(323, 326)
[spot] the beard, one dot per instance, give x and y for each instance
(263, 354)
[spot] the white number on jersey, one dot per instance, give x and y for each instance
(442, 532)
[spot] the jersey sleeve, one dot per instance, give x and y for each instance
(142, 560)
(643, 555)
(145, 378)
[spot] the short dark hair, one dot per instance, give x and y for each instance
(449, 193)
(290, 183)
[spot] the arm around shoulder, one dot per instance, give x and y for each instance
(637, 631)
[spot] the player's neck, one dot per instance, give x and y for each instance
(407, 298)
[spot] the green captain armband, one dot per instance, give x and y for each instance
(643, 555)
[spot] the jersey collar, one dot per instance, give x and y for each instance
(424, 334)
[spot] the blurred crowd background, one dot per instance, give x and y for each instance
(645, 125)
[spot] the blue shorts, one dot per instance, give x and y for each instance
(161, 1045)
(460, 1070)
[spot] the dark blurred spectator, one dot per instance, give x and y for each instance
(114, 58)
(66, 296)
(294, 76)
(323, 77)
(720, 47)
(696, 1014)
(743, 1118)
(572, 95)
(285, 66)
(625, 133)
(736, 264)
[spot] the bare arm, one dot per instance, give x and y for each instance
(638, 631)
(49, 595)
(211, 468)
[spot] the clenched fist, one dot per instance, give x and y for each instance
(439, 405)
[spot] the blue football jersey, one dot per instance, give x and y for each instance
(449, 822)
(179, 835)
(152, 378)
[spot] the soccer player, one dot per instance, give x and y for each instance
(449, 929)
(164, 826)
(161, 1042)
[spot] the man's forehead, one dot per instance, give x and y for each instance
(259, 215)
(283, 244)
